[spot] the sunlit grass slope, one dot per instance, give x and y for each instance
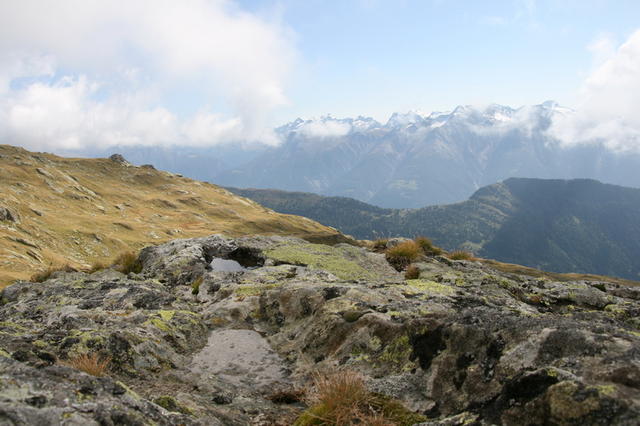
(81, 211)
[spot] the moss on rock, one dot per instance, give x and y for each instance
(336, 260)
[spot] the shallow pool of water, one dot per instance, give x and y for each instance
(226, 265)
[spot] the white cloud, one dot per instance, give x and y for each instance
(325, 128)
(609, 109)
(106, 71)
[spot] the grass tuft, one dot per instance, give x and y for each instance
(403, 254)
(343, 399)
(42, 276)
(287, 396)
(412, 273)
(89, 363)
(427, 247)
(97, 266)
(128, 262)
(460, 255)
(380, 244)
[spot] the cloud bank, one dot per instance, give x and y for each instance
(325, 128)
(100, 73)
(609, 109)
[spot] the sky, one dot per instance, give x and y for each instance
(75, 73)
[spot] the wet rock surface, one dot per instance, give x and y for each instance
(192, 344)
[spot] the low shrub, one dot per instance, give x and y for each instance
(42, 276)
(427, 247)
(128, 262)
(412, 273)
(460, 255)
(403, 254)
(89, 363)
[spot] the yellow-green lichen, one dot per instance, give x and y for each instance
(335, 260)
(159, 324)
(166, 315)
(615, 310)
(170, 320)
(88, 341)
(428, 288)
(397, 353)
(128, 390)
(607, 390)
(254, 290)
(169, 403)
(565, 406)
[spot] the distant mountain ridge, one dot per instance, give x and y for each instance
(413, 160)
(418, 159)
(578, 225)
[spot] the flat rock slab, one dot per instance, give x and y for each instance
(240, 357)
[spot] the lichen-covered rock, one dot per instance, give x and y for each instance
(463, 344)
(58, 395)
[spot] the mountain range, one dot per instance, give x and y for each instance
(578, 225)
(412, 160)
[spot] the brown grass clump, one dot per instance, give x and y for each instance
(342, 399)
(427, 246)
(403, 254)
(42, 276)
(460, 255)
(287, 396)
(380, 244)
(97, 266)
(128, 262)
(89, 363)
(412, 273)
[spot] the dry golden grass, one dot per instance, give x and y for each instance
(341, 395)
(127, 262)
(287, 396)
(403, 254)
(380, 244)
(412, 273)
(89, 363)
(511, 268)
(427, 246)
(42, 276)
(461, 255)
(88, 210)
(342, 399)
(97, 266)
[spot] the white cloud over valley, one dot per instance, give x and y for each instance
(608, 111)
(325, 128)
(97, 73)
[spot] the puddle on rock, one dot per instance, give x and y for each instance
(226, 265)
(240, 357)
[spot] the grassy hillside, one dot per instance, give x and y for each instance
(576, 225)
(56, 210)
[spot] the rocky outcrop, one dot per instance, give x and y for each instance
(8, 215)
(194, 339)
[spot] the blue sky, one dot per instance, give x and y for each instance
(204, 72)
(376, 57)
